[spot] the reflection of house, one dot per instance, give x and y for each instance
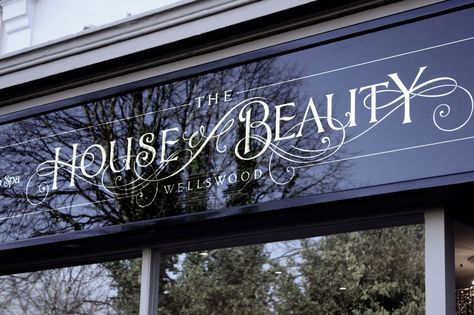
(130, 130)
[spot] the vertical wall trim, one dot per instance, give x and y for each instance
(17, 19)
(150, 282)
(439, 263)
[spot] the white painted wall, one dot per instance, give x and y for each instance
(30, 22)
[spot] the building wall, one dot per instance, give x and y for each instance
(32, 22)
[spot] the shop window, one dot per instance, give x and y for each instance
(105, 288)
(464, 268)
(367, 272)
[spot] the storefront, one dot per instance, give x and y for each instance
(312, 158)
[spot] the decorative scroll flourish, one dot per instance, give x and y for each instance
(301, 157)
(297, 146)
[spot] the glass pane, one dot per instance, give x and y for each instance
(106, 288)
(366, 272)
(464, 267)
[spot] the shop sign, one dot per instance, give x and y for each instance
(386, 107)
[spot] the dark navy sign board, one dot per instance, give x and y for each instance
(389, 106)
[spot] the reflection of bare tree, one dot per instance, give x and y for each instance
(112, 122)
(75, 290)
(116, 123)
